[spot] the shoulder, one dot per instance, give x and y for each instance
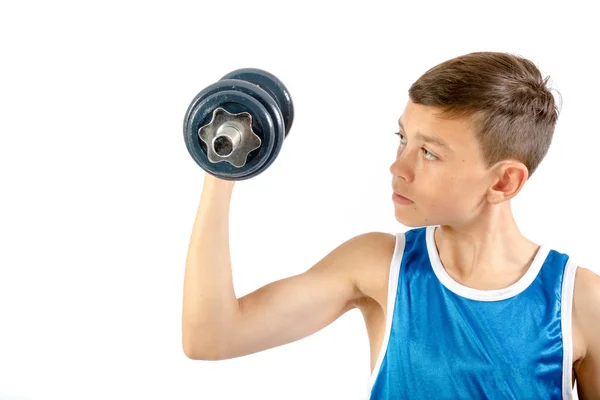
(376, 240)
(586, 312)
(586, 295)
(368, 247)
(375, 247)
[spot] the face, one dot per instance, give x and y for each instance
(446, 185)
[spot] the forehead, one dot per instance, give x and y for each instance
(457, 132)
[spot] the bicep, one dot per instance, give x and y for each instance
(293, 308)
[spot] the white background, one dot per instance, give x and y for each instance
(99, 195)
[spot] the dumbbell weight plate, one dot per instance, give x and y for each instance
(237, 85)
(257, 93)
(200, 113)
(272, 85)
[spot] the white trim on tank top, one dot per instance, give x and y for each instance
(477, 294)
(391, 300)
(566, 310)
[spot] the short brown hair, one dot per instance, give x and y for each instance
(512, 110)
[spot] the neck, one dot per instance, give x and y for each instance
(490, 245)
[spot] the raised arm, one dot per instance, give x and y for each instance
(218, 325)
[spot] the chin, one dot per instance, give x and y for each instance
(409, 222)
(414, 221)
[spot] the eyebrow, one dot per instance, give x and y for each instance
(431, 138)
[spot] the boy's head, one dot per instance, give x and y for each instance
(496, 117)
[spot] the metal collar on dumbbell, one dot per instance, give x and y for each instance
(229, 137)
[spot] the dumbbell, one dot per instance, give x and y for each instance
(234, 128)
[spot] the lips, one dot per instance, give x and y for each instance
(401, 195)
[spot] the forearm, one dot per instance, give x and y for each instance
(209, 301)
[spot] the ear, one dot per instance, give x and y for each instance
(509, 177)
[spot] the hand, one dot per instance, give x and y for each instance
(218, 183)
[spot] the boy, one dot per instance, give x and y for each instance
(462, 306)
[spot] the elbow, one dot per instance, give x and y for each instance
(191, 353)
(205, 354)
(196, 349)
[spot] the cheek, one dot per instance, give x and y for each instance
(466, 191)
(452, 194)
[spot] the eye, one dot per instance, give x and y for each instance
(428, 155)
(399, 134)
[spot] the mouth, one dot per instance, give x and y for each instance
(398, 198)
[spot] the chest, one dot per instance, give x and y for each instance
(374, 311)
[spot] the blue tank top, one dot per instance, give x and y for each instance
(444, 340)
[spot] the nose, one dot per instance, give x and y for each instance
(403, 167)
